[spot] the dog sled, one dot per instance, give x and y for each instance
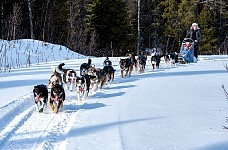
(186, 54)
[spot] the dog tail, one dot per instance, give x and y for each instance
(89, 62)
(60, 68)
(53, 69)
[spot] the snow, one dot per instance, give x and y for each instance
(174, 108)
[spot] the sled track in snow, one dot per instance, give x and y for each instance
(12, 116)
(55, 133)
(13, 109)
(15, 124)
(24, 128)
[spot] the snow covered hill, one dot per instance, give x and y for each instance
(18, 53)
(175, 108)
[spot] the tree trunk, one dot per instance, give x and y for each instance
(2, 20)
(45, 20)
(30, 19)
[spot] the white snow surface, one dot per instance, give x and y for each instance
(181, 107)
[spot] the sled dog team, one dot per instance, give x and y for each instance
(63, 79)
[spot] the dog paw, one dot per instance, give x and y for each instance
(52, 108)
(41, 110)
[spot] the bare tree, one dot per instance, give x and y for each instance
(91, 44)
(16, 19)
(2, 19)
(30, 19)
(45, 19)
(72, 24)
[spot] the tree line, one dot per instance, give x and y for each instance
(116, 27)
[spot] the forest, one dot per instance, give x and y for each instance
(116, 27)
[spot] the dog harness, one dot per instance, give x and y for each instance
(81, 89)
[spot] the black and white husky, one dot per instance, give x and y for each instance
(41, 96)
(69, 76)
(82, 87)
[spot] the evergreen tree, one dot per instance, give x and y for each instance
(108, 18)
(150, 22)
(209, 39)
(171, 24)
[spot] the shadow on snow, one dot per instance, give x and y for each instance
(96, 128)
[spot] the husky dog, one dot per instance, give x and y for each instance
(109, 72)
(85, 66)
(140, 65)
(167, 61)
(95, 77)
(154, 60)
(126, 66)
(69, 76)
(57, 97)
(82, 87)
(55, 78)
(41, 96)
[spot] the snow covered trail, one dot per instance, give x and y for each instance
(27, 129)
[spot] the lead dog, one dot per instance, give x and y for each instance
(69, 76)
(41, 96)
(57, 97)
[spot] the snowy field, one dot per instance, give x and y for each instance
(181, 107)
